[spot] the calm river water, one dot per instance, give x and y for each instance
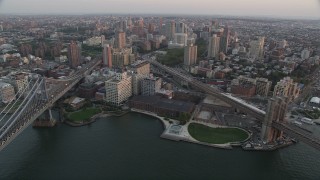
(130, 147)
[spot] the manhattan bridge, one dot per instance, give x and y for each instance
(43, 92)
(39, 95)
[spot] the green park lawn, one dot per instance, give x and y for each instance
(210, 135)
(83, 114)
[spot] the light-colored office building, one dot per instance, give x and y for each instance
(118, 89)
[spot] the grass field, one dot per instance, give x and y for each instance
(83, 114)
(210, 135)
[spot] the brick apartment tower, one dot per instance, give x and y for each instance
(74, 54)
(107, 55)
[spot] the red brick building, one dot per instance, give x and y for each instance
(219, 75)
(243, 90)
(161, 106)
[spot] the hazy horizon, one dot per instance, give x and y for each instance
(308, 9)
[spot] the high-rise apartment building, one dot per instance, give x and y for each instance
(170, 29)
(160, 24)
(121, 57)
(74, 54)
(107, 55)
(141, 67)
(120, 40)
(150, 85)
(214, 25)
(103, 38)
(263, 86)
(181, 38)
(140, 70)
(181, 27)
(151, 28)
(136, 83)
(118, 89)
(190, 55)
(7, 93)
(256, 48)
(213, 48)
(224, 40)
(286, 88)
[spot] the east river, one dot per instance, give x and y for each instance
(130, 147)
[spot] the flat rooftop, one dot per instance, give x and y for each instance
(157, 101)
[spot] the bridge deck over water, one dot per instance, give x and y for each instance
(38, 100)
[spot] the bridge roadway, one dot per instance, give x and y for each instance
(34, 107)
(233, 101)
(299, 134)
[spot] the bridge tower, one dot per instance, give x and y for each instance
(276, 112)
(46, 119)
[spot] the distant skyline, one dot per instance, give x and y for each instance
(309, 9)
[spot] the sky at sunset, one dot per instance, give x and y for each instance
(271, 8)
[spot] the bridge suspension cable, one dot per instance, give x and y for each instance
(14, 102)
(6, 127)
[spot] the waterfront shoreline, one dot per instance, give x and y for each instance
(93, 119)
(185, 137)
(190, 139)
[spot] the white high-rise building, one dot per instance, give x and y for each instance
(213, 48)
(305, 54)
(181, 38)
(118, 89)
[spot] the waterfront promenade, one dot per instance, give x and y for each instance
(177, 132)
